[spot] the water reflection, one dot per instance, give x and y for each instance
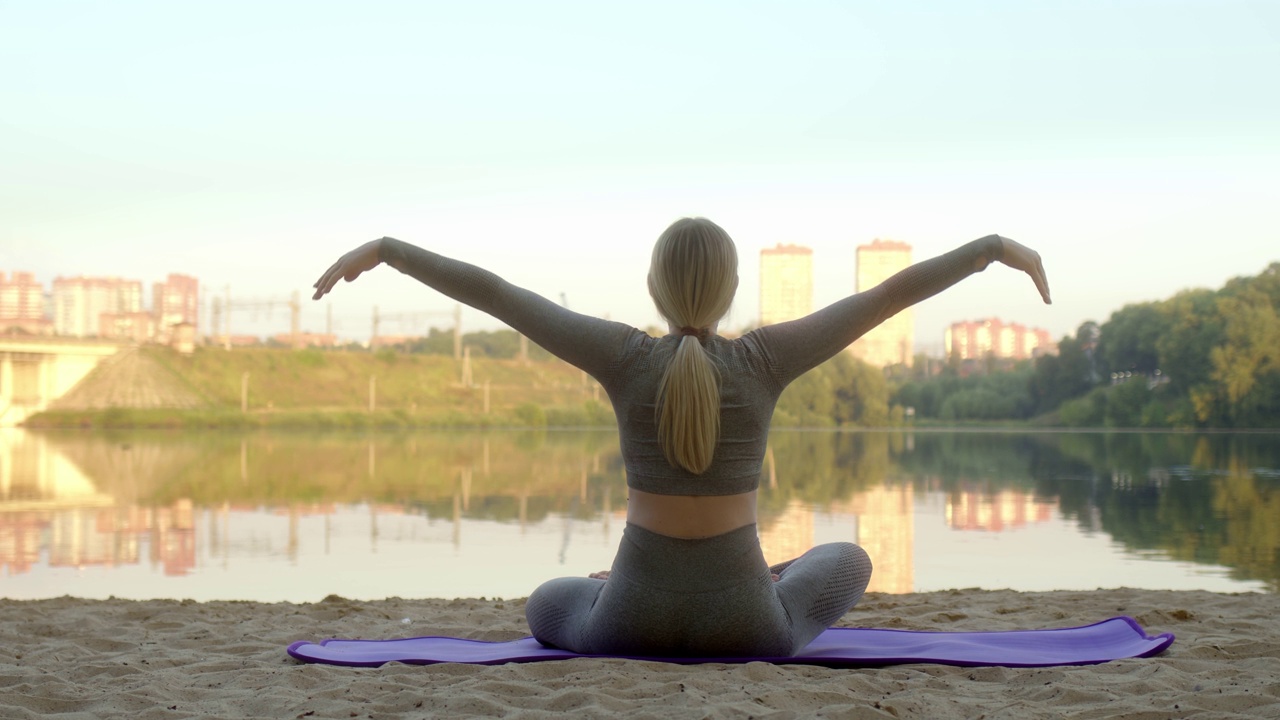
(297, 516)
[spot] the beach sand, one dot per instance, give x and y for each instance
(73, 658)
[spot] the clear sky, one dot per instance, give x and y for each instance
(1135, 144)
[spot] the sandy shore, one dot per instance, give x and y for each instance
(71, 658)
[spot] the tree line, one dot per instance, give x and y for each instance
(1200, 359)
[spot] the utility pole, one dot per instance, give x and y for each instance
(216, 321)
(457, 331)
(295, 313)
(226, 334)
(373, 339)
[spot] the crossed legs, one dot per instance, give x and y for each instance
(711, 597)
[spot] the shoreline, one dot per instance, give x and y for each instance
(178, 658)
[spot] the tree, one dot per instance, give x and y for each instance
(1064, 376)
(1250, 353)
(841, 391)
(1127, 342)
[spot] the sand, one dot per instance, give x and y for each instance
(73, 658)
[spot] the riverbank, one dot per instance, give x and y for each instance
(156, 387)
(170, 659)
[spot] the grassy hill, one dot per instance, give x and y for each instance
(313, 388)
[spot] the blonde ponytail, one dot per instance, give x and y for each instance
(689, 407)
(692, 278)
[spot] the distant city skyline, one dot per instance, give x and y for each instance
(1133, 145)
(86, 306)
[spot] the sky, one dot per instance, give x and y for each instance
(1134, 144)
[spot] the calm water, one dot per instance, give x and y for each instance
(296, 517)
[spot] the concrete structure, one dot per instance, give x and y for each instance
(980, 339)
(22, 304)
(892, 342)
(36, 371)
(79, 302)
(786, 283)
(134, 327)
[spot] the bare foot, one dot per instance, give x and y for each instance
(602, 575)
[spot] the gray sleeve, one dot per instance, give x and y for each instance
(791, 348)
(586, 342)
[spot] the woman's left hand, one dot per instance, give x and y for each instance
(348, 267)
(1020, 257)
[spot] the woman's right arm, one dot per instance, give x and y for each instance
(587, 342)
(796, 346)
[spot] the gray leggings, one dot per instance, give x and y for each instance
(712, 597)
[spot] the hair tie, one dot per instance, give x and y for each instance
(700, 333)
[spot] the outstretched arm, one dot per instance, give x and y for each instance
(796, 346)
(586, 342)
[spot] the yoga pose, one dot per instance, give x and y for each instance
(693, 411)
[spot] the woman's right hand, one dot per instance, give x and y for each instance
(1021, 257)
(349, 267)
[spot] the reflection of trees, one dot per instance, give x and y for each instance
(822, 467)
(497, 472)
(1251, 544)
(985, 462)
(1200, 498)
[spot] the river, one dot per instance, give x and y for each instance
(297, 516)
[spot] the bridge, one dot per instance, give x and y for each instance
(35, 371)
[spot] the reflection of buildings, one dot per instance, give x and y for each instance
(48, 505)
(881, 520)
(789, 534)
(886, 530)
(891, 343)
(1005, 510)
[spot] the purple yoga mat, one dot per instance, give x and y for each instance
(1112, 639)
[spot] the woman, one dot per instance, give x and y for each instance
(693, 411)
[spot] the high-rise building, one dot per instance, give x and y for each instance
(979, 339)
(891, 342)
(22, 304)
(786, 283)
(80, 302)
(175, 301)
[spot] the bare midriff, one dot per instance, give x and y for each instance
(690, 516)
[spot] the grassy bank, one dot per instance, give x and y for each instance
(346, 389)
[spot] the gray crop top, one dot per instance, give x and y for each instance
(754, 369)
